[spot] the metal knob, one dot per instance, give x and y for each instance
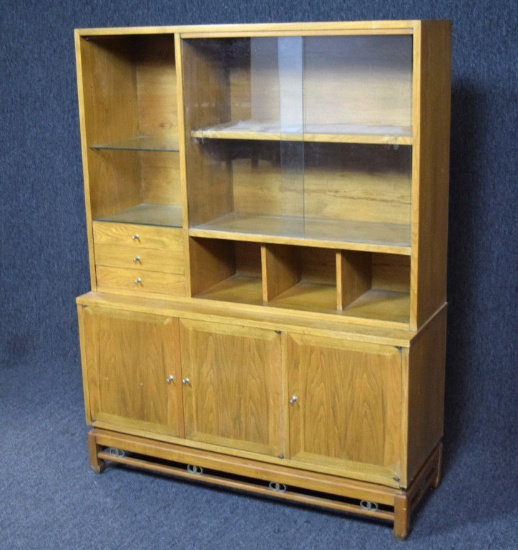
(137, 259)
(135, 237)
(186, 381)
(170, 379)
(293, 399)
(138, 281)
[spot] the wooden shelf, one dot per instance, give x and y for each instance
(382, 305)
(378, 305)
(332, 133)
(345, 235)
(147, 214)
(237, 289)
(306, 296)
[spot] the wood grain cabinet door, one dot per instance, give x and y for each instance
(132, 369)
(345, 407)
(232, 386)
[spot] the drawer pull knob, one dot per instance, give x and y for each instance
(135, 237)
(138, 281)
(137, 259)
(186, 381)
(169, 379)
(293, 399)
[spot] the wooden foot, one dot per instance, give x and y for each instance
(401, 516)
(96, 463)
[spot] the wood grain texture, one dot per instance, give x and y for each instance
(424, 374)
(140, 281)
(144, 259)
(430, 166)
(353, 277)
(349, 403)
(138, 236)
(127, 359)
(233, 397)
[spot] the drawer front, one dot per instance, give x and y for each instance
(144, 259)
(137, 236)
(140, 281)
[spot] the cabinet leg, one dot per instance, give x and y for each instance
(96, 463)
(401, 516)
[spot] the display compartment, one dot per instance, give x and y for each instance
(228, 271)
(363, 285)
(131, 140)
(300, 138)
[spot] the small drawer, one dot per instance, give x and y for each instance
(170, 260)
(143, 236)
(140, 281)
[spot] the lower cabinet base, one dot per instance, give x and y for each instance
(312, 488)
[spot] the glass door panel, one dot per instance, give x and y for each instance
(245, 150)
(357, 129)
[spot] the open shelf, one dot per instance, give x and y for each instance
(147, 214)
(332, 133)
(346, 283)
(236, 289)
(351, 235)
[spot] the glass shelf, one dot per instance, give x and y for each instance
(141, 143)
(147, 214)
(332, 133)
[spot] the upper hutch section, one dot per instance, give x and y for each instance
(303, 166)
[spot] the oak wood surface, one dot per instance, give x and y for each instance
(128, 358)
(233, 396)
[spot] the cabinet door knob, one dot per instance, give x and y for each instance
(186, 381)
(138, 281)
(293, 399)
(135, 237)
(137, 259)
(169, 379)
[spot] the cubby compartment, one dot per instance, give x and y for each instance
(228, 271)
(299, 278)
(375, 287)
(129, 89)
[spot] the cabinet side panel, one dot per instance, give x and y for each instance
(431, 170)
(83, 342)
(425, 385)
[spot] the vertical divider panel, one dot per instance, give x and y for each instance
(353, 276)
(280, 270)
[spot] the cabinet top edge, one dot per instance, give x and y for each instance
(403, 25)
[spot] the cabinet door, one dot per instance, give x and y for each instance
(232, 386)
(128, 361)
(345, 406)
